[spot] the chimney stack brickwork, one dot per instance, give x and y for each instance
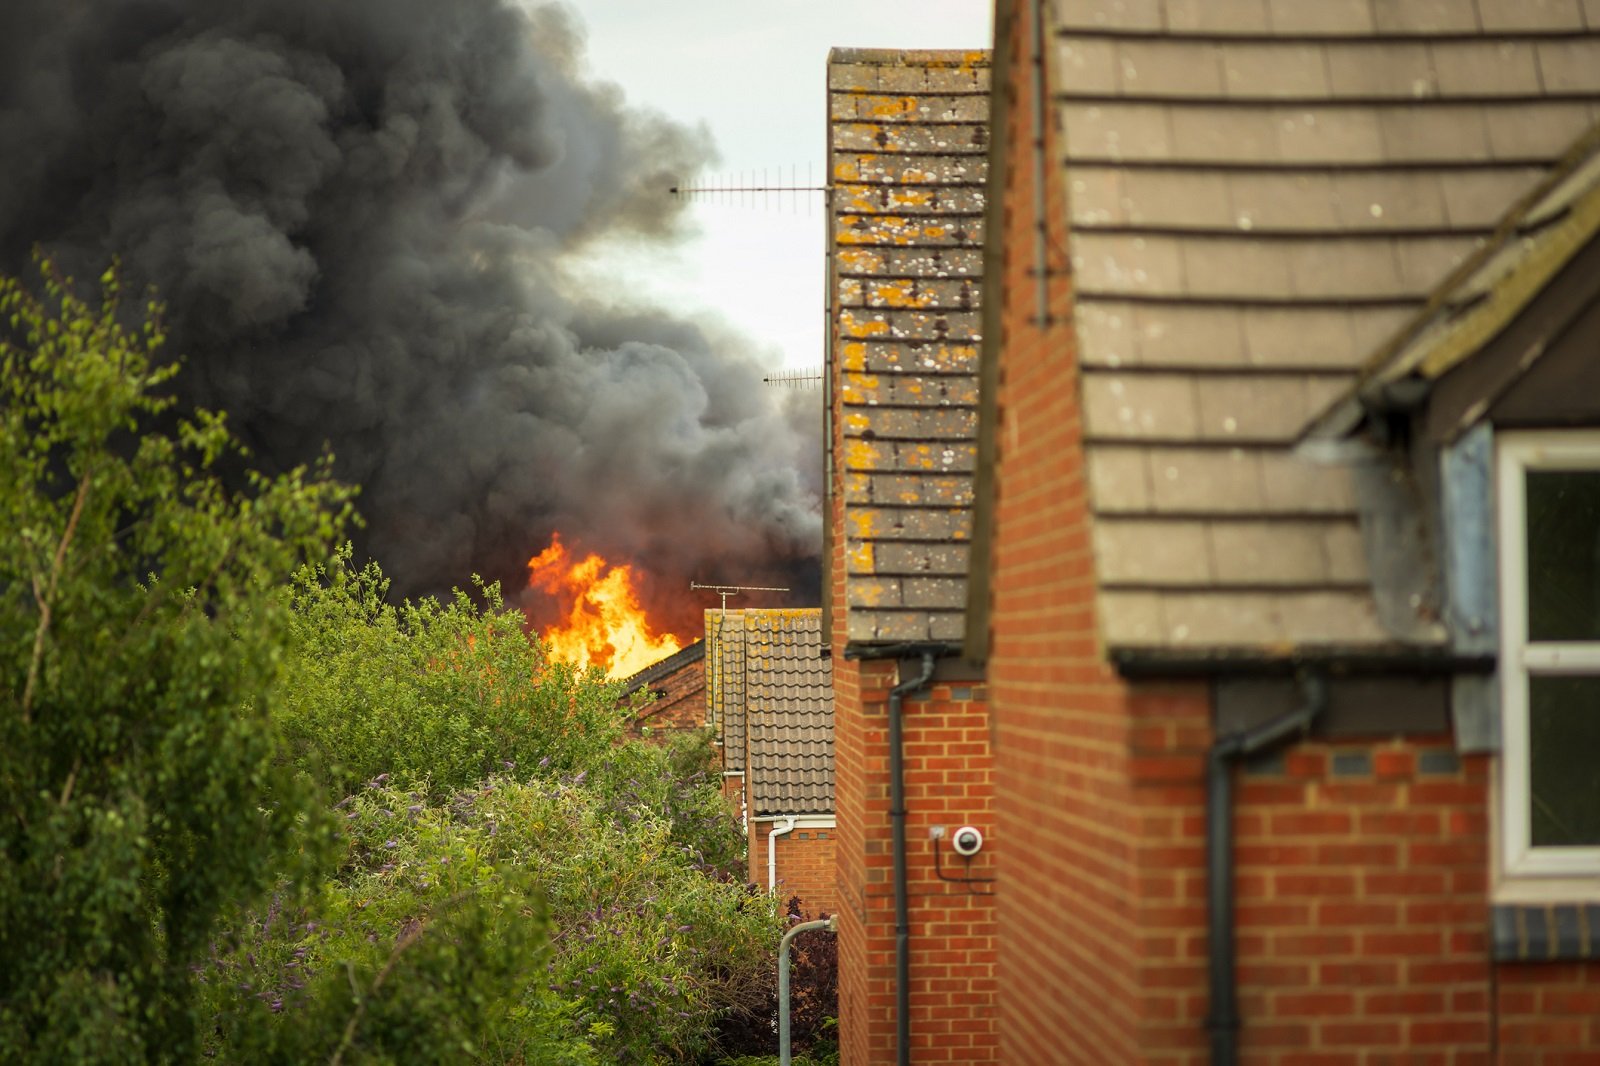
(908, 146)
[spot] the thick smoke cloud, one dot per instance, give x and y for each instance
(360, 213)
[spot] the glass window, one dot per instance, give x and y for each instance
(1563, 532)
(1548, 496)
(1564, 761)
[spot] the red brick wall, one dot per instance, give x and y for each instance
(850, 737)
(1069, 937)
(680, 707)
(1549, 1014)
(949, 782)
(1361, 899)
(807, 865)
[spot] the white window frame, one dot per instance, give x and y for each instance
(1570, 872)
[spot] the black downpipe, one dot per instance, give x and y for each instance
(1223, 1020)
(897, 822)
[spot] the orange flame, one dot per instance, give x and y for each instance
(604, 625)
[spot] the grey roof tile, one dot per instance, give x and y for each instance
(1498, 16)
(1425, 16)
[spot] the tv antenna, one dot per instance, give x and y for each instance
(732, 590)
(795, 379)
(755, 189)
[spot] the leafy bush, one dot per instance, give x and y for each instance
(813, 1001)
(645, 951)
(676, 782)
(141, 784)
(447, 693)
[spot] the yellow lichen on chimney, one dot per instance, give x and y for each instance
(853, 355)
(859, 555)
(889, 106)
(899, 293)
(859, 388)
(864, 523)
(851, 326)
(859, 454)
(859, 261)
(856, 422)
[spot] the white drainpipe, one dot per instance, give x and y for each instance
(772, 850)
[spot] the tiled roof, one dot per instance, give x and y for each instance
(775, 711)
(1536, 241)
(1261, 193)
(908, 138)
(725, 683)
(789, 704)
(662, 667)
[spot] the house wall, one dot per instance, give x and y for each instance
(1069, 950)
(680, 707)
(949, 781)
(1548, 1013)
(806, 865)
(1363, 907)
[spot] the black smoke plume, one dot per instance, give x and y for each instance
(361, 214)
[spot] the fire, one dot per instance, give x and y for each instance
(603, 624)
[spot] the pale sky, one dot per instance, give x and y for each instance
(754, 72)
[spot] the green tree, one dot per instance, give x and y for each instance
(141, 790)
(444, 693)
(428, 944)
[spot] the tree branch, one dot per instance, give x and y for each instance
(46, 599)
(406, 940)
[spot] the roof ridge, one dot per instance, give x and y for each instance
(661, 667)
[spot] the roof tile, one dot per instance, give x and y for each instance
(1498, 16)
(1291, 70)
(1478, 68)
(1425, 16)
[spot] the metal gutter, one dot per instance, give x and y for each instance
(1142, 663)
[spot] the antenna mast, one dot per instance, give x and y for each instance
(747, 189)
(733, 590)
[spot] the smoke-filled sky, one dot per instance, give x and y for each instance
(754, 72)
(367, 218)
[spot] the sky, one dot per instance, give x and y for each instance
(754, 73)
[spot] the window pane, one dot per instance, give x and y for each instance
(1564, 735)
(1563, 554)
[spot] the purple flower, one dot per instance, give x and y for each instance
(391, 843)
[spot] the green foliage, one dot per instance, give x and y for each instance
(645, 951)
(677, 784)
(503, 882)
(140, 789)
(448, 693)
